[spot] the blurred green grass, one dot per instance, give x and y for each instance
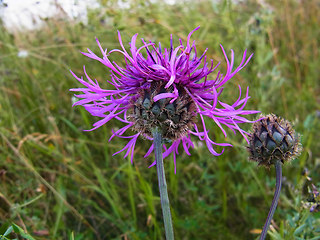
(57, 179)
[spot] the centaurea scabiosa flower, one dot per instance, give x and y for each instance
(165, 88)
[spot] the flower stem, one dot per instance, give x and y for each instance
(157, 141)
(278, 166)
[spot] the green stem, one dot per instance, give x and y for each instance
(157, 143)
(278, 166)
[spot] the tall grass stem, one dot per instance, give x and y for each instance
(278, 166)
(165, 205)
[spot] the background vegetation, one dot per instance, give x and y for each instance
(56, 180)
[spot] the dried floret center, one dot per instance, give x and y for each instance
(175, 119)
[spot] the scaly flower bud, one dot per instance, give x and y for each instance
(273, 138)
(174, 119)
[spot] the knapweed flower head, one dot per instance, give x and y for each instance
(273, 138)
(164, 88)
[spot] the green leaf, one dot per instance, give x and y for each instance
(19, 230)
(9, 230)
(299, 229)
(71, 236)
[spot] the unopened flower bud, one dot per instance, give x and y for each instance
(273, 138)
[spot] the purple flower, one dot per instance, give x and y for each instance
(165, 88)
(314, 201)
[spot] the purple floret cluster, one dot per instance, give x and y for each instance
(180, 70)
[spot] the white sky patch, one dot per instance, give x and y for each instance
(170, 2)
(124, 4)
(29, 14)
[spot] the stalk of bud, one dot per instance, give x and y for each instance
(273, 141)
